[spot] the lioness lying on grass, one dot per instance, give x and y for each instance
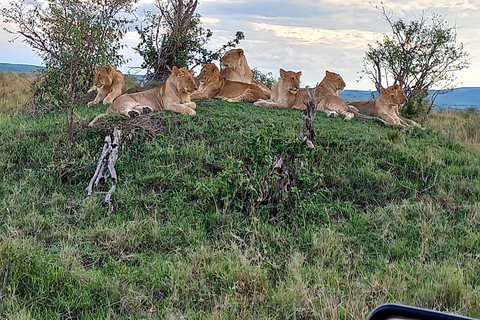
(286, 93)
(326, 95)
(213, 85)
(386, 106)
(173, 95)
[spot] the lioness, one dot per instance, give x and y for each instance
(234, 67)
(326, 94)
(386, 106)
(109, 84)
(286, 93)
(173, 95)
(213, 85)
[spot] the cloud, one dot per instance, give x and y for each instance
(405, 5)
(348, 39)
(209, 20)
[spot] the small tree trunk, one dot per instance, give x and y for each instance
(307, 133)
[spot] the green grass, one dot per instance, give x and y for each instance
(203, 228)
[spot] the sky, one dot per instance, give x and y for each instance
(311, 36)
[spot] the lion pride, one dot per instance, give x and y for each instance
(286, 93)
(326, 95)
(234, 67)
(109, 84)
(213, 85)
(386, 106)
(173, 95)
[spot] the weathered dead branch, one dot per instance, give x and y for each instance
(106, 162)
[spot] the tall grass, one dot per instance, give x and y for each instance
(457, 125)
(15, 91)
(202, 230)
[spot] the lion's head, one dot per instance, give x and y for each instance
(208, 73)
(233, 59)
(290, 80)
(183, 80)
(335, 80)
(104, 76)
(394, 95)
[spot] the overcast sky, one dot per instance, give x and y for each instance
(304, 35)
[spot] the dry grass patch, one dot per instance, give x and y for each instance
(457, 125)
(15, 91)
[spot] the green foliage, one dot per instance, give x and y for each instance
(202, 230)
(267, 79)
(417, 104)
(421, 54)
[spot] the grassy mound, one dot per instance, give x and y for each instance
(205, 227)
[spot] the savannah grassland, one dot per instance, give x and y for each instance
(204, 228)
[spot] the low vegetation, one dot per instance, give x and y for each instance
(205, 227)
(15, 91)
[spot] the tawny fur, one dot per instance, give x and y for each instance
(234, 67)
(109, 84)
(213, 85)
(328, 99)
(173, 95)
(386, 106)
(286, 93)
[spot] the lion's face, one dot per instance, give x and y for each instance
(103, 76)
(394, 94)
(232, 59)
(184, 80)
(291, 80)
(209, 71)
(335, 80)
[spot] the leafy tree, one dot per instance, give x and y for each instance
(71, 37)
(267, 79)
(174, 37)
(418, 55)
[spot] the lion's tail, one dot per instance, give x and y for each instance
(98, 117)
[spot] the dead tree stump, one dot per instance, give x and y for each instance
(307, 132)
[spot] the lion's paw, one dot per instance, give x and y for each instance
(190, 111)
(133, 114)
(147, 109)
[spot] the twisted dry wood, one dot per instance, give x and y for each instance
(107, 162)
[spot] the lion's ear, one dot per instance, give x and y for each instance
(328, 73)
(191, 72)
(299, 74)
(240, 52)
(283, 73)
(383, 91)
(108, 68)
(175, 70)
(97, 68)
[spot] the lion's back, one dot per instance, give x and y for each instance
(366, 107)
(232, 89)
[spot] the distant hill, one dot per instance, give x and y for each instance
(23, 68)
(460, 98)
